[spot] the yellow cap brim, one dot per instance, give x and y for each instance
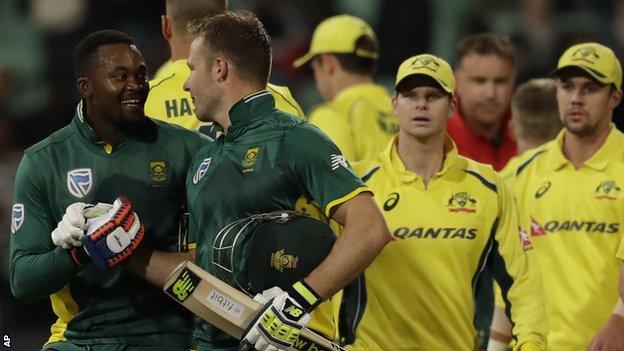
(303, 60)
(598, 76)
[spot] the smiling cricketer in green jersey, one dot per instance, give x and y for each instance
(109, 149)
(74, 165)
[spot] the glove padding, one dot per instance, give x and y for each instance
(113, 235)
(71, 228)
(74, 223)
(277, 326)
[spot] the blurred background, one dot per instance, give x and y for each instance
(37, 93)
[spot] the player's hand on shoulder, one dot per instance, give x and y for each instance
(106, 234)
(277, 326)
(610, 337)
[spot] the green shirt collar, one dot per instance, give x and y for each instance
(89, 135)
(249, 109)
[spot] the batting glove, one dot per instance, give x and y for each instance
(111, 236)
(71, 228)
(278, 325)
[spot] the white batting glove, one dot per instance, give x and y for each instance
(71, 228)
(278, 325)
(75, 222)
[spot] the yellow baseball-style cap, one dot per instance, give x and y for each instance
(596, 59)
(428, 65)
(339, 34)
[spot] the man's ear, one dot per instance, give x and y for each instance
(615, 99)
(84, 86)
(221, 69)
(165, 24)
(453, 103)
(393, 102)
(329, 63)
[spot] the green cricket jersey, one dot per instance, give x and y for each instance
(72, 165)
(266, 162)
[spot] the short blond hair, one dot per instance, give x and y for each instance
(534, 111)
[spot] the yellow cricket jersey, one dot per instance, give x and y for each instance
(575, 220)
(418, 294)
(359, 120)
(167, 100)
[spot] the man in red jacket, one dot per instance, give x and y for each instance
(486, 78)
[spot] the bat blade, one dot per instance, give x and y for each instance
(225, 307)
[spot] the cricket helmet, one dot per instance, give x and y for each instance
(270, 249)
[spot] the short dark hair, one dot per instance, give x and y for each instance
(88, 47)
(535, 112)
(183, 12)
(353, 63)
(241, 38)
(487, 44)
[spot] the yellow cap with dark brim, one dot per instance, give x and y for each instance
(338, 35)
(597, 60)
(428, 65)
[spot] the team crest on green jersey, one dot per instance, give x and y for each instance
(607, 190)
(461, 202)
(251, 156)
(158, 170)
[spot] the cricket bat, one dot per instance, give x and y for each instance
(225, 307)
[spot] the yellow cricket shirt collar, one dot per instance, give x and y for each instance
(391, 159)
(598, 161)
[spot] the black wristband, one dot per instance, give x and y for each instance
(304, 295)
